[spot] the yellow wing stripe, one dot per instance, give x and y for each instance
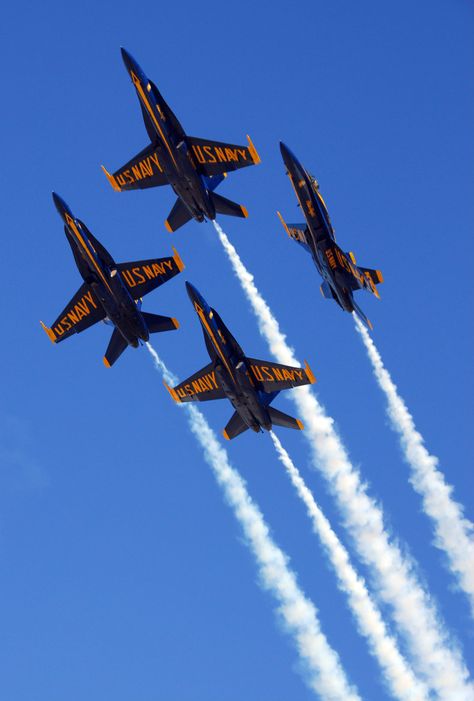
(50, 332)
(309, 373)
(112, 180)
(253, 152)
(172, 392)
(177, 259)
(285, 226)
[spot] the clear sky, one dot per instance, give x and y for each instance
(123, 573)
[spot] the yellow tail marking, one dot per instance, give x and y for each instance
(177, 259)
(253, 152)
(172, 392)
(309, 373)
(285, 226)
(50, 332)
(379, 275)
(112, 180)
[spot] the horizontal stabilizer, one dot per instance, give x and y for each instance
(156, 323)
(361, 315)
(375, 276)
(235, 427)
(278, 418)
(178, 216)
(274, 377)
(216, 157)
(225, 206)
(115, 348)
(140, 172)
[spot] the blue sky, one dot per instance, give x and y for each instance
(124, 574)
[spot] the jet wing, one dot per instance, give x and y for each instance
(82, 311)
(143, 276)
(142, 171)
(297, 232)
(203, 386)
(273, 377)
(217, 158)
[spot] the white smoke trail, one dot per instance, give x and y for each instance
(398, 676)
(434, 655)
(454, 533)
(324, 673)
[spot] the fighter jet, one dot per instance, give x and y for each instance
(111, 291)
(340, 273)
(193, 167)
(250, 384)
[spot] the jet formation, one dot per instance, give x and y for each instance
(193, 167)
(249, 384)
(339, 270)
(112, 292)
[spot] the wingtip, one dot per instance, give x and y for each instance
(226, 435)
(111, 179)
(285, 226)
(244, 211)
(50, 333)
(106, 362)
(172, 392)
(168, 227)
(178, 260)
(300, 425)
(175, 322)
(253, 152)
(309, 373)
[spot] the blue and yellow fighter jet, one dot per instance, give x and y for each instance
(341, 275)
(250, 384)
(193, 167)
(111, 291)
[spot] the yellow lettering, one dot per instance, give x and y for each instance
(73, 317)
(158, 269)
(148, 272)
(138, 275)
(278, 375)
(243, 153)
(220, 154)
(257, 373)
(208, 151)
(89, 297)
(266, 371)
(198, 154)
(230, 153)
(136, 173)
(146, 169)
(154, 158)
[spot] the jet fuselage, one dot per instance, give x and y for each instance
(168, 136)
(230, 366)
(332, 263)
(97, 268)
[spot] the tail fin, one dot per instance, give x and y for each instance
(115, 348)
(362, 316)
(178, 216)
(374, 277)
(225, 206)
(278, 418)
(157, 323)
(212, 181)
(235, 427)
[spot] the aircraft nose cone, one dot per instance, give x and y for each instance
(60, 205)
(130, 63)
(287, 155)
